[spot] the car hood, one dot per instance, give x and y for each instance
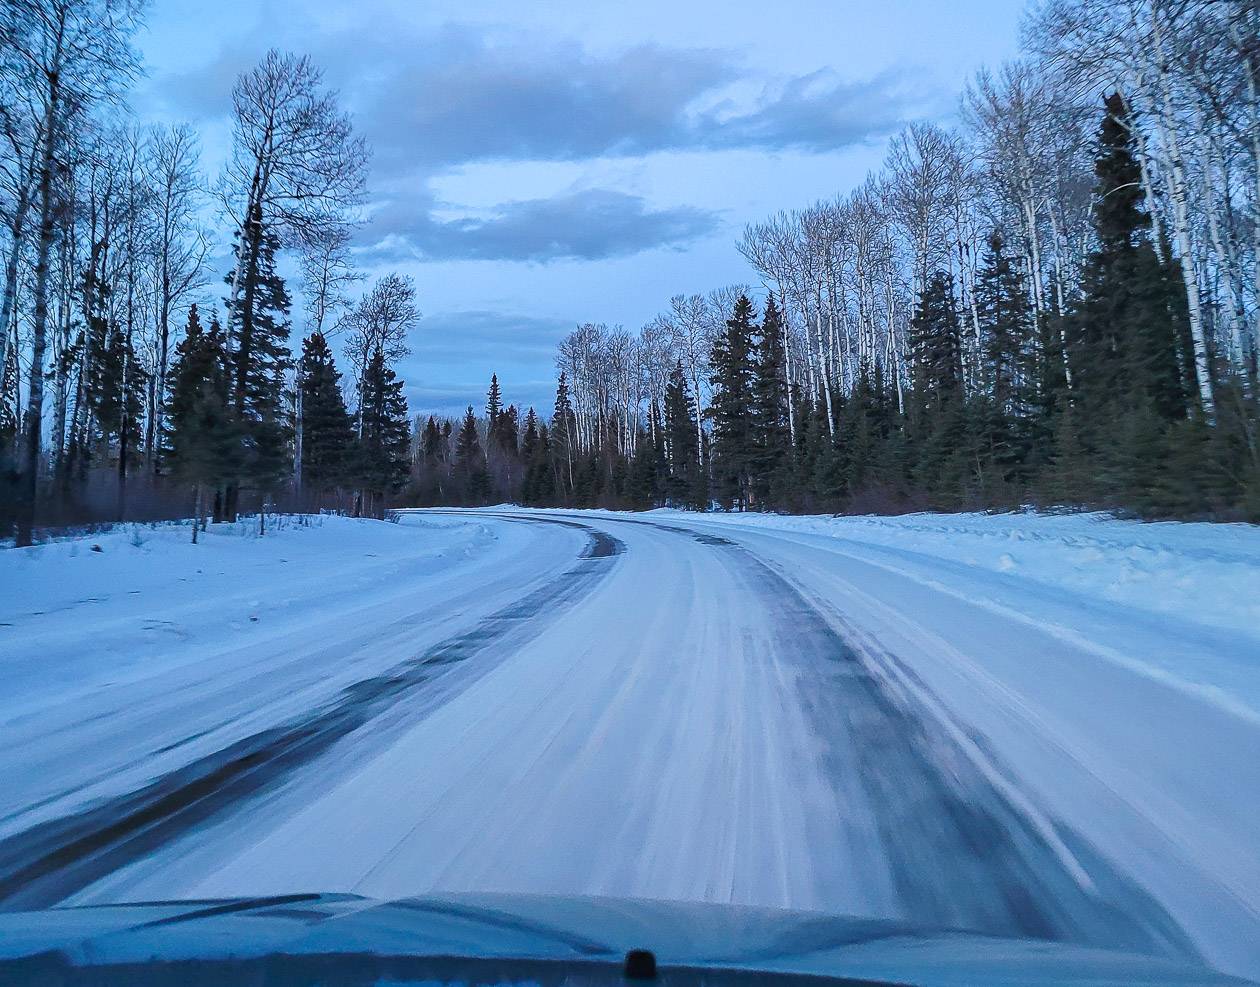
(537, 930)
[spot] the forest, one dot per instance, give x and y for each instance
(1051, 302)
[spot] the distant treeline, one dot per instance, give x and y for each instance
(1098, 406)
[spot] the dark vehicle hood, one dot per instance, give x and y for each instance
(516, 936)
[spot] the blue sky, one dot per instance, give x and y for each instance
(537, 165)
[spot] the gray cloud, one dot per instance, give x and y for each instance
(815, 112)
(470, 98)
(461, 95)
(430, 102)
(589, 224)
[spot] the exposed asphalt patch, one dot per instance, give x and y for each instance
(51, 861)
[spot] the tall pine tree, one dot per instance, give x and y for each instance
(733, 410)
(199, 441)
(384, 448)
(470, 460)
(1126, 330)
(687, 484)
(1004, 414)
(563, 439)
(258, 331)
(938, 415)
(327, 428)
(771, 397)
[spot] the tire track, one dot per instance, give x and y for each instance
(961, 851)
(49, 862)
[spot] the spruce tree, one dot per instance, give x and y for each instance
(471, 461)
(733, 411)
(540, 484)
(199, 441)
(938, 417)
(432, 442)
(563, 438)
(529, 456)
(383, 458)
(1127, 344)
(936, 346)
(115, 385)
(1003, 416)
(327, 428)
(687, 484)
(494, 403)
(642, 483)
(507, 431)
(1125, 332)
(858, 432)
(771, 395)
(258, 331)
(1006, 327)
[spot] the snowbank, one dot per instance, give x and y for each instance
(128, 653)
(1206, 573)
(143, 590)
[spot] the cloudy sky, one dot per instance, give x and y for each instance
(541, 164)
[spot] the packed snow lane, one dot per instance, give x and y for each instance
(1106, 672)
(692, 728)
(44, 862)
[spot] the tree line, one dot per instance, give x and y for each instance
(988, 404)
(126, 388)
(1054, 302)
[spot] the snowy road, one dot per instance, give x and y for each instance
(670, 707)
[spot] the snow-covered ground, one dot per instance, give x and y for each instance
(1019, 724)
(1202, 581)
(125, 663)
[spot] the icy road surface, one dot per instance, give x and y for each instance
(886, 720)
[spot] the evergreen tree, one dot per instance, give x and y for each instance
(733, 410)
(1003, 418)
(936, 346)
(540, 480)
(433, 442)
(563, 438)
(471, 461)
(258, 331)
(383, 458)
(327, 429)
(773, 447)
(1006, 325)
(507, 431)
(642, 483)
(938, 417)
(1126, 329)
(115, 386)
(858, 435)
(529, 455)
(199, 441)
(433, 471)
(1070, 476)
(494, 403)
(687, 484)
